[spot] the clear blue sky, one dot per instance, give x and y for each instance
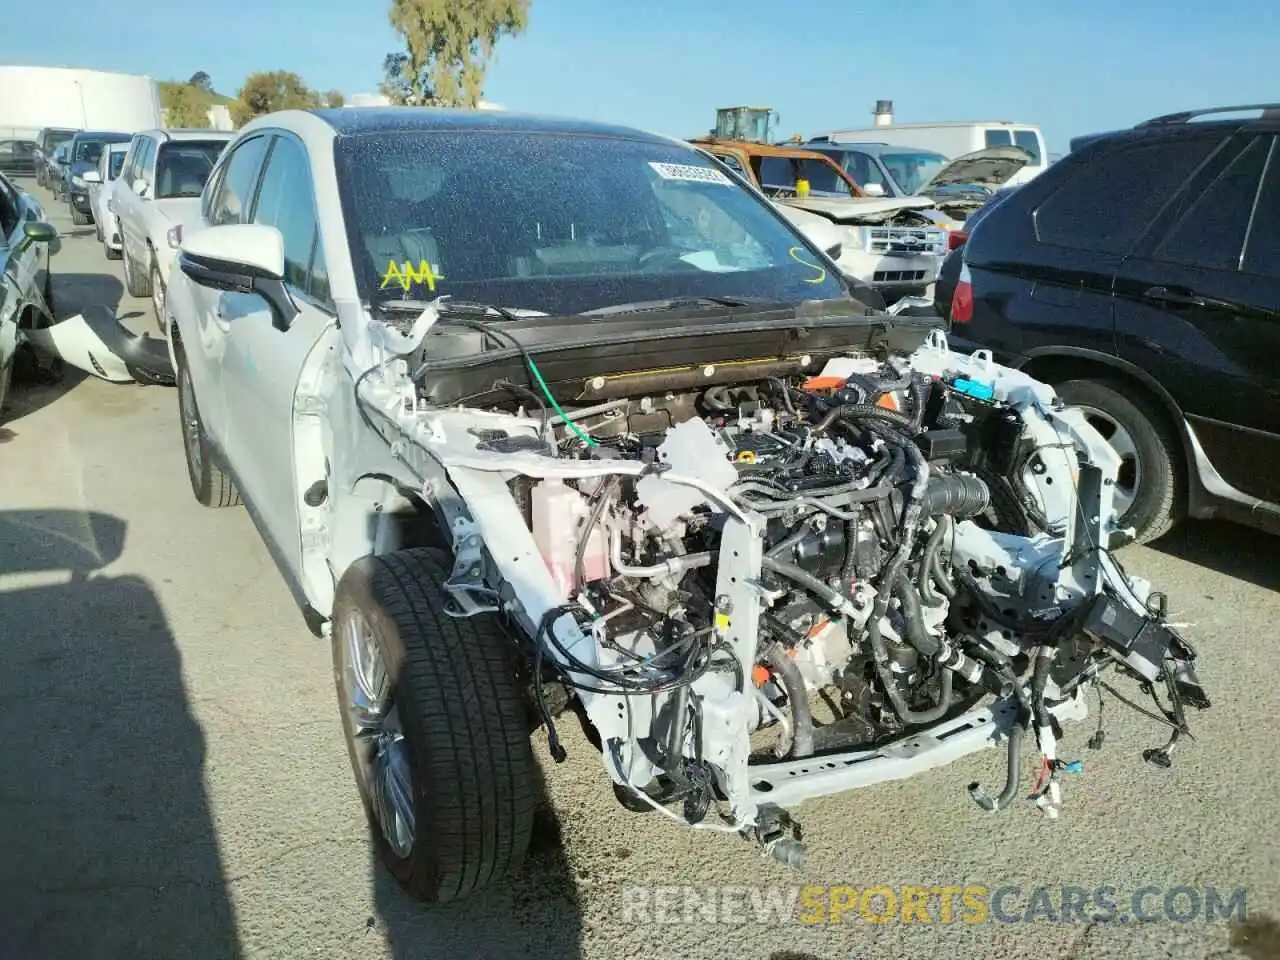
(665, 65)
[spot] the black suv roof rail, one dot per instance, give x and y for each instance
(1187, 115)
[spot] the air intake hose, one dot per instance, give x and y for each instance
(956, 495)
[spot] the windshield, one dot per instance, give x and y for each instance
(88, 151)
(56, 140)
(115, 163)
(561, 223)
(780, 174)
(183, 166)
(911, 171)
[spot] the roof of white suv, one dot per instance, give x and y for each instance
(187, 133)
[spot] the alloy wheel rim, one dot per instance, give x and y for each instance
(1129, 478)
(380, 747)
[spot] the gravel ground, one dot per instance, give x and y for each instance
(176, 783)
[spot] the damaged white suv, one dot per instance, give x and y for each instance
(544, 419)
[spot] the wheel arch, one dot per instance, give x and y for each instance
(1057, 364)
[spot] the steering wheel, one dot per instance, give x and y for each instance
(663, 257)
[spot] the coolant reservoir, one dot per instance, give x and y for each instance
(558, 515)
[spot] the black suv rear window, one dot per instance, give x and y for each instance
(1109, 200)
(1211, 233)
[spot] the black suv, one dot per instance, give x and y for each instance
(1140, 275)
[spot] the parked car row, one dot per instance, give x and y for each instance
(1140, 275)
(143, 189)
(885, 211)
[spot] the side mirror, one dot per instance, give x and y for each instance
(35, 231)
(241, 258)
(873, 190)
(91, 176)
(140, 187)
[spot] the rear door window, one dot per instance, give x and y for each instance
(1262, 246)
(1212, 231)
(1107, 204)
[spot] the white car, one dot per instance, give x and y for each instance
(157, 195)
(101, 183)
(541, 417)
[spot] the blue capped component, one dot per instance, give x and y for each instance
(972, 388)
(1073, 766)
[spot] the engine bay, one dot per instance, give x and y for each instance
(783, 586)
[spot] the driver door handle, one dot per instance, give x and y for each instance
(1184, 297)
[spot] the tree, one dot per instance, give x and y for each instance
(184, 106)
(334, 98)
(449, 44)
(201, 81)
(267, 92)
(395, 84)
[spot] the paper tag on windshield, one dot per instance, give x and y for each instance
(689, 173)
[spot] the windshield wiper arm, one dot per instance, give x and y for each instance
(681, 303)
(464, 307)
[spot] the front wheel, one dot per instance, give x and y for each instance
(436, 726)
(209, 484)
(1146, 490)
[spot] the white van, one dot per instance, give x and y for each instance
(955, 139)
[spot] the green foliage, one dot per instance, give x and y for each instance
(184, 105)
(448, 46)
(396, 84)
(201, 81)
(267, 92)
(334, 98)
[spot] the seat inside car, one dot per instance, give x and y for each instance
(182, 176)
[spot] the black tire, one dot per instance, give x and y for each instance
(209, 484)
(48, 293)
(464, 719)
(137, 285)
(111, 254)
(1155, 507)
(156, 283)
(78, 218)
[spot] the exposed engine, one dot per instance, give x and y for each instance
(793, 569)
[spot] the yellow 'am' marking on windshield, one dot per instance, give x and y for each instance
(795, 252)
(405, 275)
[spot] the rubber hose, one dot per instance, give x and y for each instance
(833, 598)
(863, 411)
(1012, 778)
(927, 561)
(905, 713)
(956, 494)
(716, 398)
(917, 635)
(797, 696)
(919, 397)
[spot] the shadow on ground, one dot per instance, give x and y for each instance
(72, 292)
(536, 913)
(108, 843)
(1229, 548)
